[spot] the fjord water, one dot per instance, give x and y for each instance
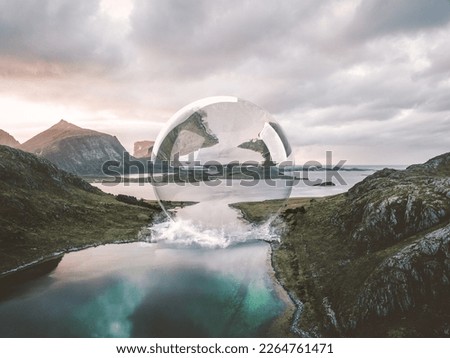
(186, 281)
(148, 290)
(300, 189)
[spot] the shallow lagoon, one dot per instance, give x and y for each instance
(148, 290)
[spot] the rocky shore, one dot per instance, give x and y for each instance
(372, 262)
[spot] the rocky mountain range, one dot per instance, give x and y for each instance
(76, 150)
(8, 139)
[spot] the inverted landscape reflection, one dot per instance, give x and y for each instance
(149, 290)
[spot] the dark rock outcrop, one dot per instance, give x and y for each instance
(325, 183)
(391, 205)
(417, 274)
(374, 261)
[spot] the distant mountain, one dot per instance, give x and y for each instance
(76, 150)
(143, 148)
(45, 211)
(8, 139)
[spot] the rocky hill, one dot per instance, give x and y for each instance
(8, 139)
(143, 149)
(46, 210)
(373, 261)
(74, 149)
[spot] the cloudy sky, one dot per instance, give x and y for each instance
(369, 80)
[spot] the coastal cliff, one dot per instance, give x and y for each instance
(372, 262)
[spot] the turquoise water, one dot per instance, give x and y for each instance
(148, 290)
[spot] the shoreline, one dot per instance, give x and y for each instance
(263, 211)
(54, 255)
(292, 309)
(283, 325)
(288, 296)
(139, 237)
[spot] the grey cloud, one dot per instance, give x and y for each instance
(412, 131)
(55, 31)
(439, 57)
(438, 102)
(380, 94)
(201, 37)
(332, 73)
(376, 18)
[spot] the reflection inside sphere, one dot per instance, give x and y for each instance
(218, 151)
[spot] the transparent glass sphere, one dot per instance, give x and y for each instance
(218, 151)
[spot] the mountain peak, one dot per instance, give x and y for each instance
(75, 149)
(8, 139)
(58, 131)
(64, 125)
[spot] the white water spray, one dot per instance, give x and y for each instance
(187, 233)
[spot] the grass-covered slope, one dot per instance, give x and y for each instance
(44, 210)
(374, 261)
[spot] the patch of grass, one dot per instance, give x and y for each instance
(61, 223)
(45, 210)
(260, 211)
(317, 259)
